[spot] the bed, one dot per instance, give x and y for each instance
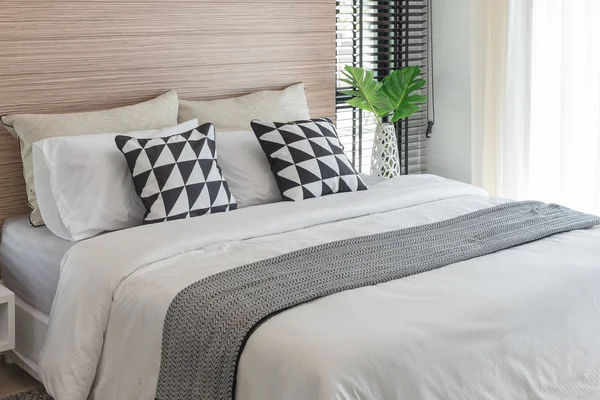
(501, 326)
(520, 323)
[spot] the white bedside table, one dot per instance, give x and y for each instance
(7, 319)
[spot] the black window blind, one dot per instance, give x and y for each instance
(382, 36)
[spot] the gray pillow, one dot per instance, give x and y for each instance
(157, 113)
(235, 114)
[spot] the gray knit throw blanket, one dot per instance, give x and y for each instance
(208, 322)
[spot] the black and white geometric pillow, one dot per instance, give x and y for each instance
(307, 158)
(178, 176)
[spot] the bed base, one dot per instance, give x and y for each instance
(31, 326)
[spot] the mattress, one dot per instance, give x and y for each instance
(30, 261)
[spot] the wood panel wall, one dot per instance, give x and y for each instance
(79, 55)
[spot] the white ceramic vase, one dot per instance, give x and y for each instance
(384, 158)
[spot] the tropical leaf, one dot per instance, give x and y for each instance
(399, 87)
(417, 98)
(417, 84)
(350, 92)
(367, 94)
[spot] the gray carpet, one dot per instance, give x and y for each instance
(35, 394)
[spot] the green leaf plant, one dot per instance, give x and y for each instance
(394, 97)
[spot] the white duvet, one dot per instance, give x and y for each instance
(523, 323)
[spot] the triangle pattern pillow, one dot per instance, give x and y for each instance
(307, 158)
(177, 176)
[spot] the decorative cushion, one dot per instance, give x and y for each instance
(157, 113)
(235, 114)
(307, 158)
(177, 176)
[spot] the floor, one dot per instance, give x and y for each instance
(14, 380)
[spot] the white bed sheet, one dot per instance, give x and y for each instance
(519, 324)
(30, 261)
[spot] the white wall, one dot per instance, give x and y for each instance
(449, 149)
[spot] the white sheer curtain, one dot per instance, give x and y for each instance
(564, 164)
(501, 60)
(536, 107)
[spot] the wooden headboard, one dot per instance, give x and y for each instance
(82, 55)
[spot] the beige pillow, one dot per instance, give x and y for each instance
(235, 114)
(157, 113)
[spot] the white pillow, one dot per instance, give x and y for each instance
(84, 186)
(246, 169)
